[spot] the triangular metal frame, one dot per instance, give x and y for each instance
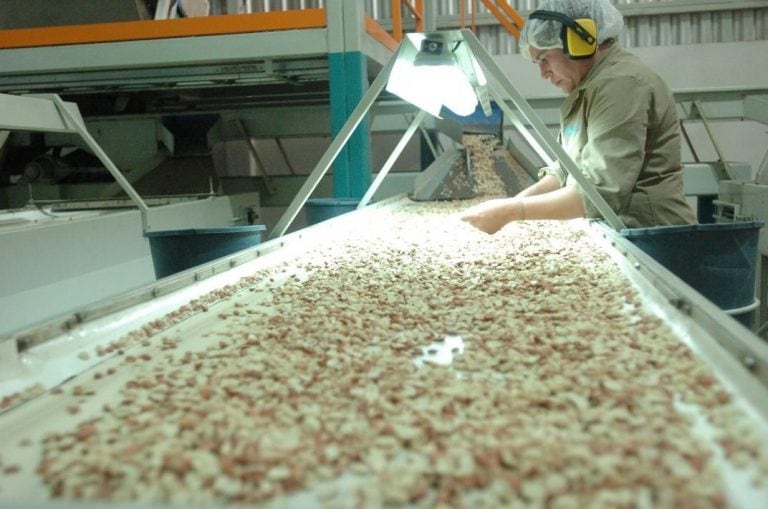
(500, 86)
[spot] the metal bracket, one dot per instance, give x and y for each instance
(333, 150)
(268, 185)
(79, 128)
(724, 172)
(49, 113)
(727, 210)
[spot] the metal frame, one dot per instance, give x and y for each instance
(213, 49)
(333, 150)
(163, 28)
(384, 171)
(628, 10)
(741, 343)
(724, 171)
(499, 82)
(49, 112)
(207, 60)
(715, 331)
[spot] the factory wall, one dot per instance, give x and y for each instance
(653, 23)
(648, 22)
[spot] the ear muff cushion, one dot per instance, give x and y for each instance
(575, 44)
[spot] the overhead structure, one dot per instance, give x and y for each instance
(205, 73)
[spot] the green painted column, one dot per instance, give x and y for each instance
(348, 81)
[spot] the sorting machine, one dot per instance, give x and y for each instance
(83, 355)
(174, 106)
(64, 354)
(42, 358)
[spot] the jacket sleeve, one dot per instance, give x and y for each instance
(555, 170)
(617, 116)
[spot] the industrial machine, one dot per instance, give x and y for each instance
(60, 254)
(168, 125)
(746, 200)
(731, 192)
(363, 356)
(63, 392)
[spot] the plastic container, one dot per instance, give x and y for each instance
(718, 260)
(177, 250)
(321, 209)
(478, 123)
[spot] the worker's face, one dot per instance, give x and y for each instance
(564, 73)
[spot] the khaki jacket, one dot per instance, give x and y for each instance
(620, 126)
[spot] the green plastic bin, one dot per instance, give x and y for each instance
(177, 250)
(321, 209)
(718, 260)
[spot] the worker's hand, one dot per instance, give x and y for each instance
(492, 215)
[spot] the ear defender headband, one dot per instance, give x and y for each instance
(579, 36)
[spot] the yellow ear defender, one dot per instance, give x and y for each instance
(579, 36)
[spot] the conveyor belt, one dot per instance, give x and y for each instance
(295, 374)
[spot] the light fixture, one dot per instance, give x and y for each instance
(437, 70)
(416, 73)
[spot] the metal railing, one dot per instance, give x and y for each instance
(404, 13)
(501, 10)
(416, 8)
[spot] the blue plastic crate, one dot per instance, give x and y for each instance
(718, 260)
(321, 209)
(177, 250)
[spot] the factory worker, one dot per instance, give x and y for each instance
(618, 123)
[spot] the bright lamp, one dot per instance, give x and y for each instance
(436, 70)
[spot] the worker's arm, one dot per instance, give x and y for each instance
(492, 215)
(546, 184)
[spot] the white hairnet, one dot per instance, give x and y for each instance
(545, 33)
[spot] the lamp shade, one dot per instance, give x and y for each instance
(436, 70)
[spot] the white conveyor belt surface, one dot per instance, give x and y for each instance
(394, 356)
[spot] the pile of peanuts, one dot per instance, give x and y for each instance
(481, 148)
(317, 378)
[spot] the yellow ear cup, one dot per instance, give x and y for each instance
(581, 45)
